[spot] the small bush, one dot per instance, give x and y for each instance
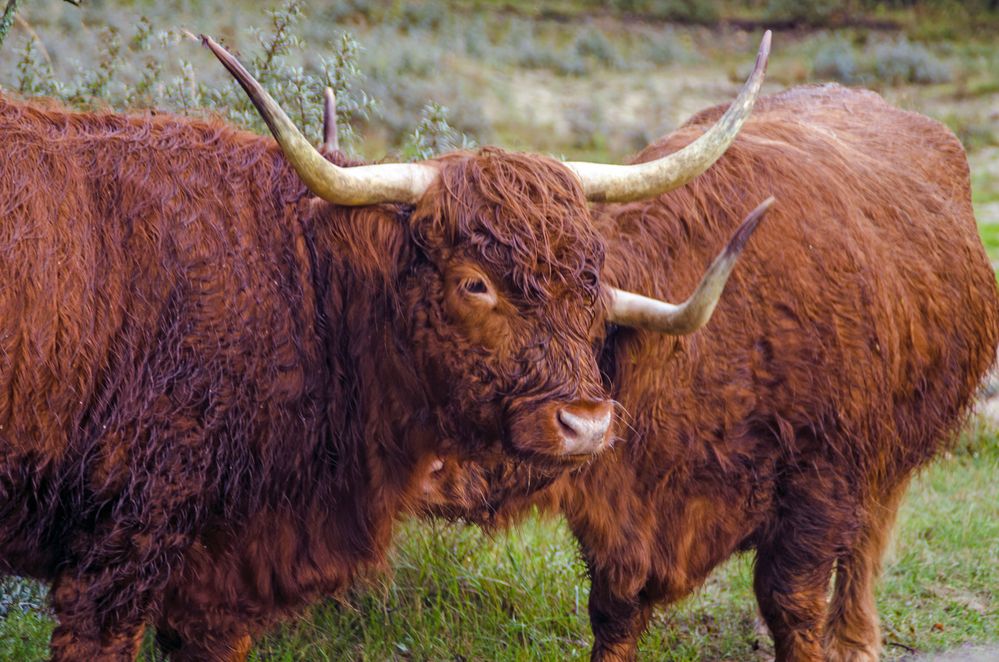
(22, 595)
(402, 102)
(685, 11)
(893, 62)
(587, 124)
(902, 61)
(434, 135)
(533, 54)
(422, 16)
(810, 12)
(476, 39)
(523, 47)
(835, 61)
(663, 47)
(340, 11)
(591, 42)
(129, 75)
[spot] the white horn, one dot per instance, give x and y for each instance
(624, 183)
(331, 142)
(635, 310)
(363, 185)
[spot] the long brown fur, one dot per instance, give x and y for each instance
(216, 392)
(842, 358)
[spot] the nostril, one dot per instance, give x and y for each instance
(583, 432)
(568, 423)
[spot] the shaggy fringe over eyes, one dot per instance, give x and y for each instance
(519, 209)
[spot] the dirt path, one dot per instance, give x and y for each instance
(962, 654)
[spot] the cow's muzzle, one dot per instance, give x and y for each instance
(584, 426)
(564, 430)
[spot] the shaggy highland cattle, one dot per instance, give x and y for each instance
(226, 364)
(842, 359)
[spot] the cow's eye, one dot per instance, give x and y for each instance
(477, 291)
(475, 286)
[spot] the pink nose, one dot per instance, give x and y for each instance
(584, 426)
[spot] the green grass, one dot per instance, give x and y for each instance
(24, 635)
(990, 237)
(941, 577)
(455, 593)
(985, 192)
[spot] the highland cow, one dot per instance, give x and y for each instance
(226, 364)
(842, 359)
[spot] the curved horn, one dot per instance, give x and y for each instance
(624, 183)
(363, 185)
(330, 139)
(635, 310)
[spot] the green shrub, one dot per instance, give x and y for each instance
(902, 61)
(835, 61)
(434, 135)
(686, 11)
(129, 74)
(811, 12)
(591, 42)
(22, 595)
(893, 62)
(683, 11)
(422, 15)
(587, 124)
(663, 46)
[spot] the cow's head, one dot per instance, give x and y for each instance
(504, 295)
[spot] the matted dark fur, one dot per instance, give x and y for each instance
(217, 392)
(843, 357)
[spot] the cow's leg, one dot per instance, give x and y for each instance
(121, 566)
(795, 559)
(617, 620)
(194, 628)
(234, 648)
(198, 621)
(81, 635)
(792, 599)
(611, 525)
(852, 632)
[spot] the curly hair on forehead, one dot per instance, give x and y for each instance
(516, 209)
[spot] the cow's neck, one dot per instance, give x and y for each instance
(375, 412)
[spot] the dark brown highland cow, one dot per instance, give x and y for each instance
(218, 387)
(843, 357)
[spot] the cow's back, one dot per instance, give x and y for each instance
(861, 317)
(150, 272)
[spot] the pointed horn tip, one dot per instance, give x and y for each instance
(329, 106)
(330, 140)
(748, 226)
(763, 55)
(238, 71)
(220, 51)
(217, 49)
(765, 205)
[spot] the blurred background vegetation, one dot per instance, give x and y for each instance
(588, 79)
(593, 80)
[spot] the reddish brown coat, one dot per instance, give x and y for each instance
(842, 357)
(216, 390)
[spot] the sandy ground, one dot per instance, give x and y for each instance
(963, 654)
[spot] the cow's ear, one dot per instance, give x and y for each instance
(373, 240)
